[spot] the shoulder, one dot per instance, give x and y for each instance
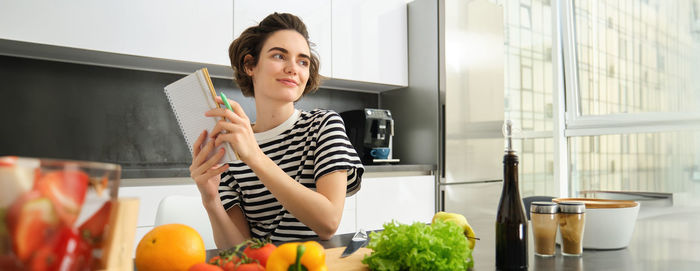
(320, 116)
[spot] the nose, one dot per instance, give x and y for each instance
(291, 68)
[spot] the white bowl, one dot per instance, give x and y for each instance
(609, 224)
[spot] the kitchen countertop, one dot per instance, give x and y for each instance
(664, 239)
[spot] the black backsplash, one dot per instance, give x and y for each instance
(82, 112)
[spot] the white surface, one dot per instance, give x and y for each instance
(404, 199)
(370, 41)
(150, 196)
(186, 210)
(196, 31)
(347, 223)
(316, 15)
(609, 228)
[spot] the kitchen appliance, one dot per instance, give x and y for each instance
(472, 109)
(370, 129)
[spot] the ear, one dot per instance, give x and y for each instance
(248, 65)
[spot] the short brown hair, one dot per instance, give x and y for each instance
(250, 42)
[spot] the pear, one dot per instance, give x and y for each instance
(461, 221)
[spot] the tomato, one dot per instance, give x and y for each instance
(250, 267)
(227, 260)
(229, 266)
(66, 189)
(9, 262)
(205, 267)
(31, 219)
(259, 250)
(8, 161)
(66, 251)
(93, 229)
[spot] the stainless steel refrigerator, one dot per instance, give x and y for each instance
(472, 99)
(456, 76)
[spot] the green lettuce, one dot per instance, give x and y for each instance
(440, 246)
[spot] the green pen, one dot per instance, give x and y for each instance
(223, 97)
(228, 105)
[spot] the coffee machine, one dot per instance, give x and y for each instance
(368, 129)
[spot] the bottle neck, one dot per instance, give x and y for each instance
(510, 171)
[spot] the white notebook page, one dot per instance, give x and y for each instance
(189, 98)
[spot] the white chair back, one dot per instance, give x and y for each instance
(186, 210)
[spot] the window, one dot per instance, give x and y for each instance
(528, 82)
(632, 108)
(631, 113)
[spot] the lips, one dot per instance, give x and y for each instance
(288, 82)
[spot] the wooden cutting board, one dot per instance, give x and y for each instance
(349, 263)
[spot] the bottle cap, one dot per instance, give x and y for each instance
(508, 134)
(543, 207)
(572, 207)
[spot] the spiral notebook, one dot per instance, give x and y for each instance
(189, 98)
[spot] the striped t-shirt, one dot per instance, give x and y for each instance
(306, 146)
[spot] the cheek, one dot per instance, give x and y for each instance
(304, 76)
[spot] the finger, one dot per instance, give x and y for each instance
(238, 109)
(220, 101)
(199, 159)
(225, 138)
(212, 161)
(217, 171)
(223, 126)
(198, 143)
(225, 113)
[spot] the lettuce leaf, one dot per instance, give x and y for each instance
(440, 246)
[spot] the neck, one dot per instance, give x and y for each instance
(268, 116)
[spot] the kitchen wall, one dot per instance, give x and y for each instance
(73, 111)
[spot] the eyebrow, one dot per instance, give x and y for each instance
(286, 52)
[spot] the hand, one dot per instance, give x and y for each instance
(205, 173)
(238, 131)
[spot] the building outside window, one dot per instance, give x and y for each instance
(632, 94)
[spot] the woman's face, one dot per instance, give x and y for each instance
(283, 67)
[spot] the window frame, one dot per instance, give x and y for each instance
(569, 122)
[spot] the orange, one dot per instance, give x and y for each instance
(170, 247)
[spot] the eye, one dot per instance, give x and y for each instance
(304, 62)
(278, 56)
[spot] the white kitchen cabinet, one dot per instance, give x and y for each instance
(370, 41)
(405, 199)
(149, 198)
(316, 15)
(357, 41)
(181, 30)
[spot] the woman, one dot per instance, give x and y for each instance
(295, 168)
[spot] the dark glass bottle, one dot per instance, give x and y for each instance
(511, 222)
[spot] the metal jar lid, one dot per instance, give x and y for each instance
(572, 207)
(543, 207)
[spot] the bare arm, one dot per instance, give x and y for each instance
(229, 228)
(320, 210)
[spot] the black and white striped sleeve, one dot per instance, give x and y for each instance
(334, 152)
(229, 191)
